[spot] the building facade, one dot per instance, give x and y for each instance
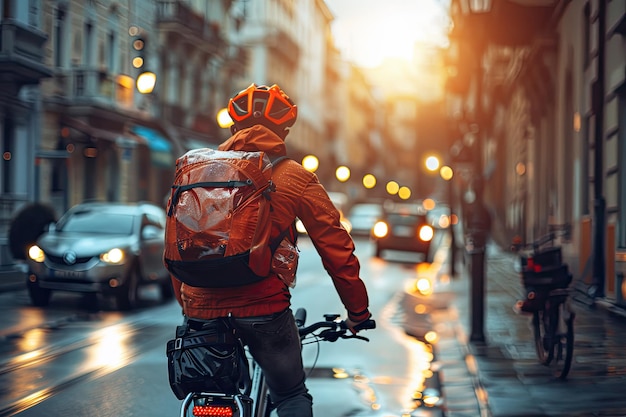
(77, 124)
(546, 88)
(22, 68)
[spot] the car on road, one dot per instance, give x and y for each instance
(363, 216)
(403, 227)
(101, 248)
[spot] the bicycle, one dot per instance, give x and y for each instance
(546, 279)
(253, 400)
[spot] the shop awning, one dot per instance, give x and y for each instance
(160, 147)
(93, 132)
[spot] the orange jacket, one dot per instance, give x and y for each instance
(298, 194)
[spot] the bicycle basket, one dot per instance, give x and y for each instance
(208, 360)
(543, 258)
(550, 277)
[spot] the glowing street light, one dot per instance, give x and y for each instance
(342, 173)
(310, 163)
(223, 119)
(404, 192)
(392, 187)
(369, 181)
(432, 163)
(446, 172)
(146, 82)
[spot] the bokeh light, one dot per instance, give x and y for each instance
(310, 163)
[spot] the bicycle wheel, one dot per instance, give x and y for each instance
(542, 334)
(563, 350)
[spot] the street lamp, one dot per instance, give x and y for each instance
(342, 173)
(310, 163)
(432, 163)
(146, 81)
(223, 119)
(478, 221)
(392, 188)
(369, 181)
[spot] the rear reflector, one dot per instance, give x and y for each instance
(212, 411)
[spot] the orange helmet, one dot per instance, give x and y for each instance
(260, 104)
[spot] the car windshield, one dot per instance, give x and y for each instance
(98, 223)
(366, 210)
(400, 218)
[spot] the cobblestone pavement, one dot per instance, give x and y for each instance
(501, 377)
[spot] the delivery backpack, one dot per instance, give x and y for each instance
(217, 232)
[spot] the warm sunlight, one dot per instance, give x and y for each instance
(369, 31)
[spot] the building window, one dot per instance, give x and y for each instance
(621, 163)
(59, 30)
(111, 53)
(88, 41)
(7, 10)
(33, 13)
(587, 36)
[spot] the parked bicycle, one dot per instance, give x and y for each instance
(546, 280)
(248, 395)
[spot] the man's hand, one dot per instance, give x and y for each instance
(352, 324)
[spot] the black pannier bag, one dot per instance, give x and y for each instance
(210, 359)
(541, 273)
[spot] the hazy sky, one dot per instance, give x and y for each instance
(367, 31)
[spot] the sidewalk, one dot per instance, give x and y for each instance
(502, 376)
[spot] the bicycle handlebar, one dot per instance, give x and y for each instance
(334, 328)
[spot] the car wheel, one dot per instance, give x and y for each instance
(128, 294)
(40, 297)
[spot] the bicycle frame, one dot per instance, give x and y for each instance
(546, 279)
(217, 404)
(553, 332)
(254, 401)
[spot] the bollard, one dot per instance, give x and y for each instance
(476, 254)
(478, 231)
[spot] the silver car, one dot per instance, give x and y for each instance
(106, 248)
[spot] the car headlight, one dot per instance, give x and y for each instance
(380, 229)
(346, 224)
(426, 233)
(300, 227)
(36, 254)
(444, 221)
(114, 256)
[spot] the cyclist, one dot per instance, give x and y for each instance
(261, 312)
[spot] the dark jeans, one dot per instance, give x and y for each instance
(275, 345)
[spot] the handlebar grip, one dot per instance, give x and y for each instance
(300, 317)
(367, 324)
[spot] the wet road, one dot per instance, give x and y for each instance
(66, 360)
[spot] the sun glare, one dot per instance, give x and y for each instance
(370, 31)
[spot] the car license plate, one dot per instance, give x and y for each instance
(403, 231)
(65, 274)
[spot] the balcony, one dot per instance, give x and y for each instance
(282, 43)
(90, 86)
(21, 54)
(178, 20)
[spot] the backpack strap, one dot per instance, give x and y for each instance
(223, 184)
(277, 160)
(289, 231)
